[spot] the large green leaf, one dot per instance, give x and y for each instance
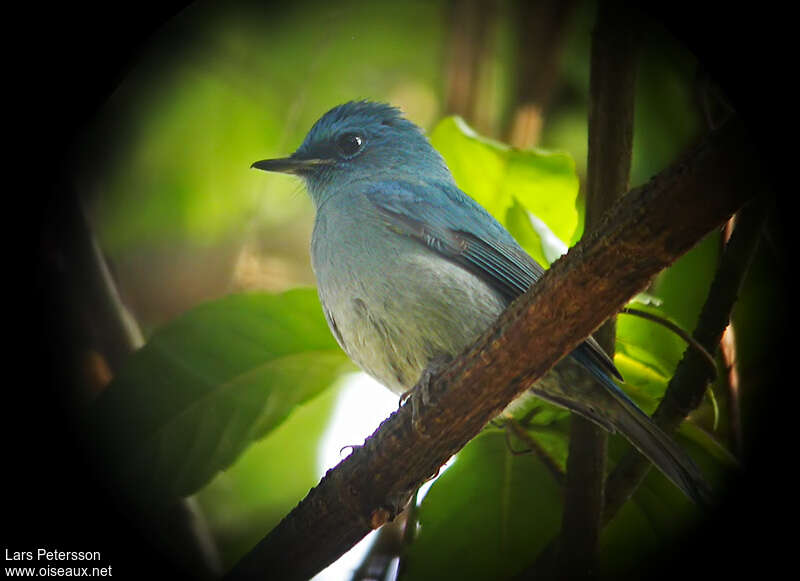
(268, 479)
(647, 354)
(486, 515)
(212, 381)
(510, 183)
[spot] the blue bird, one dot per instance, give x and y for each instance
(410, 270)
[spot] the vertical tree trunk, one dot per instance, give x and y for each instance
(611, 106)
(469, 24)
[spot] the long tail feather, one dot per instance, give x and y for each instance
(613, 410)
(662, 451)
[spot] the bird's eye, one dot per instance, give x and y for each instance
(349, 144)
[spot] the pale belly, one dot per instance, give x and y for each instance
(393, 319)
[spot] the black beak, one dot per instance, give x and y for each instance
(290, 165)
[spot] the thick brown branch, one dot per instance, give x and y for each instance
(639, 237)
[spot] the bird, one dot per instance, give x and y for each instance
(411, 270)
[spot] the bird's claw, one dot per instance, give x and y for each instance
(420, 395)
(353, 447)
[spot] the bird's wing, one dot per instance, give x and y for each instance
(461, 230)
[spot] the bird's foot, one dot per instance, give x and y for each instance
(353, 448)
(421, 395)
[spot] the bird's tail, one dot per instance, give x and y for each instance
(611, 409)
(661, 450)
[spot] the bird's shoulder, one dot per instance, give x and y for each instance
(441, 205)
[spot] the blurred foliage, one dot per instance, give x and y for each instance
(268, 480)
(208, 384)
(183, 220)
(243, 86)
(166, 165)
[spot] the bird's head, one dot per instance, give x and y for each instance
(360, 140)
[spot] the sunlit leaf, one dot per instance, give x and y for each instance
(646, 355)
(643, 383)
(212, 381)
(510, 183)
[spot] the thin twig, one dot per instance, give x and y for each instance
(678, 331)
(385, 548)
(409, 532)
(728, 351)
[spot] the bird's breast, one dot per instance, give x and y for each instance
(392, 303)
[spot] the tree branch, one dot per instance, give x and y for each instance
(615, 44)
(636, 239)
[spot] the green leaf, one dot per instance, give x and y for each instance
(683, 287)
(647, 354)
(510, 183)
(268, 480)
(212, 381)
(489, 512)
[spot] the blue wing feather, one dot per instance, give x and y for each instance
(447, 224)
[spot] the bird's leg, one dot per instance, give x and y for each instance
(421, 392)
